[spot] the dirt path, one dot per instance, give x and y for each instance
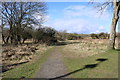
(53, 67)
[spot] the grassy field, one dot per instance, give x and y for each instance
(93, 61)
(29, 69)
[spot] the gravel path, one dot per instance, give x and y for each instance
(53, 67)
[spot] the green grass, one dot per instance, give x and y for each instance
(27, 70)
(106, 69)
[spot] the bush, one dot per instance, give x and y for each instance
(103, 35)
(45, 35)
(27, 34)
(62, 35)
(74, 36)
(94, 36)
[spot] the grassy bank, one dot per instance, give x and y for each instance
(104, 65)
(29, 69)
(90, 59)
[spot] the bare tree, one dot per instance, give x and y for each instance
(114, 24)
(115, 5)
(18, 15)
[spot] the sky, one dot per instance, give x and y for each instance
(77, 17)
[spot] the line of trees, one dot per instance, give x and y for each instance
(45, 35)
(19, 17)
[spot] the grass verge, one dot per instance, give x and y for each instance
(104, 65)
(27, 70)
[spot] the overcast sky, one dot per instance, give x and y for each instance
(77, 17)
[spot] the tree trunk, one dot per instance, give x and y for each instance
(23, 41)
(7, 40)
(113, 26)
(3, 39)
(11, 39)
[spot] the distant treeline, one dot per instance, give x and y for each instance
(100, 36)
(75, 36)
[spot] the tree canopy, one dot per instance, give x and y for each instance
(19, 15)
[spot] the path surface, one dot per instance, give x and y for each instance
(53, 67)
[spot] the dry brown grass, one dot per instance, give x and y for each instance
(86, 47)
(29, 41)
(12, 55)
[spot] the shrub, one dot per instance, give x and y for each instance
(45, 35)
(94, 36)
(103, 35)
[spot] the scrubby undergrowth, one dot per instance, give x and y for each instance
(13, 56)
(84, 48)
